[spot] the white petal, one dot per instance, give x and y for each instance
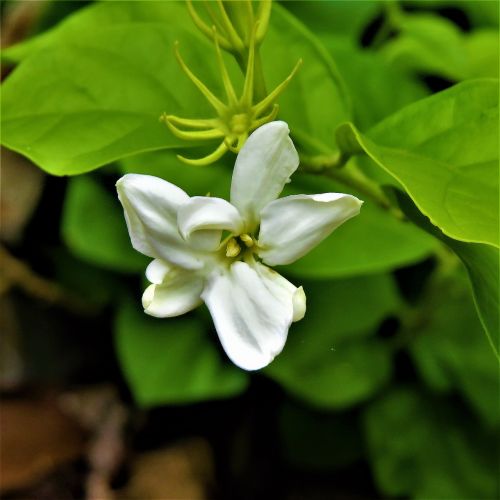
(252, 322)
(263, 167)
(174, 297)
(202, 219)
(151, 206)
(293, 225)
(157, 271)
(282, 288)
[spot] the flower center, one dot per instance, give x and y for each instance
(239, 123)
(237, 244)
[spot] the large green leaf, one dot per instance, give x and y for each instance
(91, 90)
(482, 265)
(171, 361)
(94, 229)
(316, 101)
(96, 88)
(101, 76)
(450, 350)
(444, 152)
(421, 448)
(328, 361)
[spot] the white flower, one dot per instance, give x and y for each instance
(252, 306)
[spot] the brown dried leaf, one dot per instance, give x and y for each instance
(36, 439)
(20, 189)
(184, 471)
(11, 360)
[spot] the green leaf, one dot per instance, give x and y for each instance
(172, 361)
(482, 265)
(482, 49)
(372, 242)
(484, 13)
(444, 152)
(432, 44)
(95, 285)
(327, 360)
(370, 78)
(480, 13)
(102, 97)
(451, 352)
(422, 448)
(316, 101)
(94, 229)
(16, 53)
(343, 18)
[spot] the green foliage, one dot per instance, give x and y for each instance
(171, 361)
(482, 265)
(369, 77)
(431, 44)
(90, 91)
(316, 101)
(444, 151)
(450, 350)
(341, 18)
(420, 448)
(69, 122)
(98, 286)
(331, 360)
(93, 227)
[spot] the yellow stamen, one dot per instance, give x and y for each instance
(247, 240)
(232, 249)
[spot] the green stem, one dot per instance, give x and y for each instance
(259, 83)
(351, 177)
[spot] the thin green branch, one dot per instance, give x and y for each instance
(329, 166)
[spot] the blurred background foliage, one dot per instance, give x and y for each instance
(387, 389)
